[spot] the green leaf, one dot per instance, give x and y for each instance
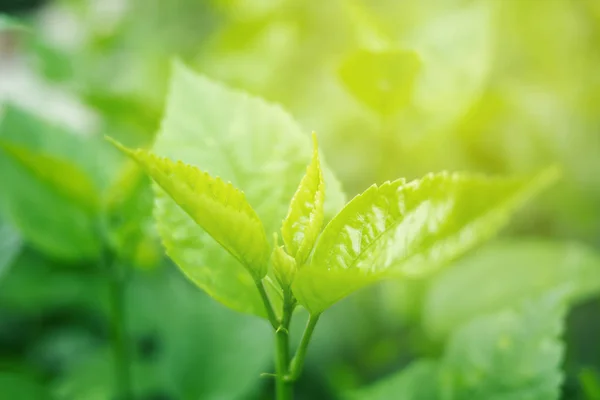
(419, 381)
(52, 172)
(129, 201)
(514, 354)
(510, 355)
(504, 274)
(200, 336)
(10, 246)
(218, 207)
(382, 80)
(456, 53)
(32, 202)
(305, 216)
(345, 256)
(407, 230)
(255, 145)
(284, 266)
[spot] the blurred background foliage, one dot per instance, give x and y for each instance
(393, 88)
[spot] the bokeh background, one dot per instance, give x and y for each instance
(393, 88)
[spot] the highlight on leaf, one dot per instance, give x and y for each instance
(305, 216)
(408, 229)
(218, 207)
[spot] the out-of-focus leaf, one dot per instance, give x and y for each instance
(21, 386)
(129, 202)
(514, 354)
(408, 229)
(218, 207)
(35, 284)
(10, 246)
(503, 274)
(230, 349)
(419, 381)
(382, 80)
(43, 215)
(57, 175)
(455, 50)
(255, 145)
(305, 216)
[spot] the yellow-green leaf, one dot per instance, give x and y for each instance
(218, 207)
(254, 144)
(284, 266)
(305, 215)
(407, 229)
(60, 175)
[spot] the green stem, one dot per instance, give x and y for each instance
(284, 387)
(265, 298)
(297, 363)
(117, 284)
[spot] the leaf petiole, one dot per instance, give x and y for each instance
(268, 306)
(295, 369)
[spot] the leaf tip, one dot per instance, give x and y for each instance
(118, 145)
(315, 141)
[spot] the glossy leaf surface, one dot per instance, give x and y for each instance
(255, 145)
(218, 207)
(407, 230)
(305, 215)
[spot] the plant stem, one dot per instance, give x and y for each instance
(283, 386)
(265, 298)
(297, 363)
(117, 284)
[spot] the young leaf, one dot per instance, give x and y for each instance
(284, 266)
(219, 208)
(513, 354)
(255, 145)
(305, 216)
(64, 177)
(407, 229)
(503, 274)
